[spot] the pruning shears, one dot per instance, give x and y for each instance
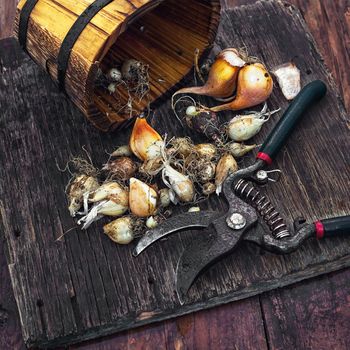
(247, 209)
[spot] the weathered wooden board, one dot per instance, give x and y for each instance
(313, 314)
(7, 17)
(86, 286)
(321, 317)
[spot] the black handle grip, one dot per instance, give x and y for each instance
(310, 94)
(334, 226)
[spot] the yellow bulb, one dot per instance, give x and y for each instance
(254, 86)
(222, 78)
(145, 142)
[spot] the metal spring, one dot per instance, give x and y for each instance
(267, 211)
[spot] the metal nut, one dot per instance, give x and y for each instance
(236, 221)
(261, 175)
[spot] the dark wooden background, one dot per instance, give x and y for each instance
(311, 315)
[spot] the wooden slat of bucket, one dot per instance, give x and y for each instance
(102, 104)
(172, 30)
(194, 17)
(163, 62)
(57, 21)
(106, 18)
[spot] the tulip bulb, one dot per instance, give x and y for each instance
(244, 127)
(110, 199)
(120, 230)
(112, 88)
(152, 166)
(226, 165)
(182, 145)
(194, 210)
(122, 168)
(131, 69)
(204, 122)
(151, 222)
(179, 184)
(164, 197)
(254, 86)
(206, 150)
(113, 207)
(222, 77)
(192, 111)
(208, 188)
(82, 185)
(239, 149)
(205, 170)
(116, 206)
(114, 75)
(142, 198)
(145, 142)
(122, 151)
(107, 191)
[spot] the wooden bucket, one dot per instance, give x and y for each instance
(73, 39)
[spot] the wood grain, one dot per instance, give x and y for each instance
(334, 42)
(138, 336)
(10, 329)
(241, 328)
(314, 315)
(7, 17)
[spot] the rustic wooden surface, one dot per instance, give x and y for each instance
(321, 322)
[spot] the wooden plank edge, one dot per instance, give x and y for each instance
(145, 317)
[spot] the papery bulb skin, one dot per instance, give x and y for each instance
(288, 77)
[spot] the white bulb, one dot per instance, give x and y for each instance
(191, 110)
(151, 222)
(194, 209)
(115, 75)
(112, 87)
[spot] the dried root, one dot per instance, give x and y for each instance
(196, 66)
(83, 166)
(132, 77)
(122, 168)
(136, 76)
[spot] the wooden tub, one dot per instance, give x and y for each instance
(73, 39)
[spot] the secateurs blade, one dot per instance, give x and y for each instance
(248, 208)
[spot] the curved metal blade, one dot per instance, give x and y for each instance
(175, 224)
(197, 256)
(204, 251)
